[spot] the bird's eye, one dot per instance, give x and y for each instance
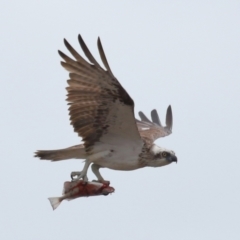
(164, 154)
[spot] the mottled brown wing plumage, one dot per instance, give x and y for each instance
(99, 105)
(152, 130)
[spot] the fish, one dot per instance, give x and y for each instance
(80, 188)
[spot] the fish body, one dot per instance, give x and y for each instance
(76, 189)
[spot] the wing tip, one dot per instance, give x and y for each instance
(62, 55)
(169, 117)
(143, 117)
(81, 41)
(154, 110)
(66, 43)
(155, 117)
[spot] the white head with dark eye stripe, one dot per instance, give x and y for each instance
(162, 156)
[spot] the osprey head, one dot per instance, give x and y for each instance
(162, 156)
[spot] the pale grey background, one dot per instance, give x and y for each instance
(183, 53)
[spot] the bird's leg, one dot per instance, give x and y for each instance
(95, 169)
(82, 174)
(78, 175)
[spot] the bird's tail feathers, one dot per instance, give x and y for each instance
(77, 152)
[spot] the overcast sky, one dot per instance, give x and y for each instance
(183, 53)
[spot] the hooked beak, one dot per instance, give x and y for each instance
(174, 159)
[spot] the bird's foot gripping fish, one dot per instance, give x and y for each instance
(79, 188)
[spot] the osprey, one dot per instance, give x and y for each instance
(102, 113)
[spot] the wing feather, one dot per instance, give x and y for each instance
(87, 52)
(154, 130)
(103, 57)
(143, 117)
(100, 108)
(78, 57)
(169, 118)
(155, 117)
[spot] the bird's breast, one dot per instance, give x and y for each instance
(118, 160)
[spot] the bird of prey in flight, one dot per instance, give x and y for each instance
(102, 113)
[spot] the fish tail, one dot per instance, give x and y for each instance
(55, 202)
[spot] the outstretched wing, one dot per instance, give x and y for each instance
(153, 130)
(100, 108)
